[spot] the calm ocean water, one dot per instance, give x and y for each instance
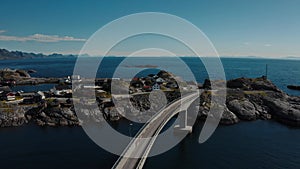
(281, 72)
(258, 144)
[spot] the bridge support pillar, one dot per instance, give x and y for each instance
(183, 126)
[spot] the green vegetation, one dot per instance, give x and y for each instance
(259, 92)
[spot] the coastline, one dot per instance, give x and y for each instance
(248, 99)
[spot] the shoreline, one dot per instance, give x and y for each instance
(247, 99)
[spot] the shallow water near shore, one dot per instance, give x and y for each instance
(257, 144)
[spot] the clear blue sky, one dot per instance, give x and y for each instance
(236, 27)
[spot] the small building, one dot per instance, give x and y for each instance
(10, 96)
(41, 94)
(76, 78)
(66, 80)
(147, 88)
(62, 89)
(156, 86)
(160, 80)
(70, 79)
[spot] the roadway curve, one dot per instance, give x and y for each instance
(135, 154)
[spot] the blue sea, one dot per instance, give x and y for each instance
(247, 145)
(281, 72)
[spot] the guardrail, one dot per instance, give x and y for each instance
(143, 127)
(158, 130)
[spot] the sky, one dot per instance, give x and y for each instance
(266, 28)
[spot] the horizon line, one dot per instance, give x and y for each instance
(221, 56)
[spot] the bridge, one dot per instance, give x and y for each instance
(135, 154)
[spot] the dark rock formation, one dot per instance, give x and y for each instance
(285, 110)
(22, 77)
(164, 74)
(246, 99)
(46, 115)
(254, 98)
(244, 109)
(11, 74)
(12, 118)
(23, 73)
(206, 84)
(217, 84)
(293, 87)
(252, 84)
(228, 117)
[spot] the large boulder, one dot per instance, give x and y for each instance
(228, 117)
(214, 109)
(284, 111)
(244, 109)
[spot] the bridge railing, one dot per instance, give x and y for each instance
(142, 128)
(158, 130)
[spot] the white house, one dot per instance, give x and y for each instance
(76, 78)
(10, 96)
(41, 94)
(156, 86)
(62, 89)
(160, 80)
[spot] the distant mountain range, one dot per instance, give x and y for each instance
(7, 55)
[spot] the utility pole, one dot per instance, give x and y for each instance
(266, 71)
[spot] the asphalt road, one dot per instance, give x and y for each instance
(137, 150)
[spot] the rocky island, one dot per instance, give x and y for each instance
(247, 99)
(254, 98)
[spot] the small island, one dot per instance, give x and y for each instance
(141, 66)
(247, 99)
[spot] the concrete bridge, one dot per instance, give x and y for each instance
(135, 154)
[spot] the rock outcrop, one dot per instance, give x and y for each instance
(254, 98)
(45, 115)
(244, 109)
(246, 99)
(228, 117)
(10, 117)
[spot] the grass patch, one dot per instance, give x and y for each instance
(262, 93)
